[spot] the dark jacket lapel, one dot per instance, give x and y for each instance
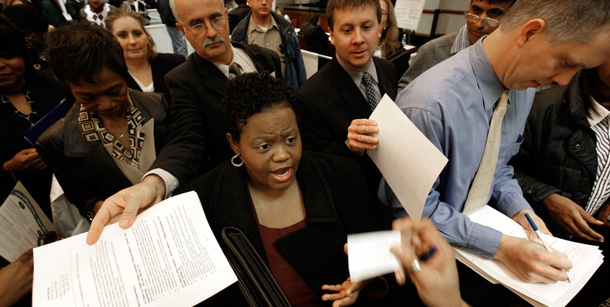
(210, 75)
(350, 93)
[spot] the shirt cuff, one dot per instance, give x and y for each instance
(171, 182)
(512, 204)
(484, 241)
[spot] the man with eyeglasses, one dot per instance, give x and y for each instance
(197, 86)
(198, 132)
(267, 29)
(482, 18)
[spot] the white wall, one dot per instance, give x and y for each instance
(447, 23)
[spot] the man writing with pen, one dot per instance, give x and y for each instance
(453, 103)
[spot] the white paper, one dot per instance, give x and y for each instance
(408, 13)
(585, 259)
(369, 254)
(21, 223)
(408, 161)
(168, 257)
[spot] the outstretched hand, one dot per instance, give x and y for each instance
(125, 205)
(346, 292)
(436, 272)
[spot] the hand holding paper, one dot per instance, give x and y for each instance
(125, 205)
(359, 136)
(408, 161)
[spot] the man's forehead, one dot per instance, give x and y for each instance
(353, 15)
(186, 11)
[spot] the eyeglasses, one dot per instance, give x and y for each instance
(493, 23)
(218, 23)
(384, 13)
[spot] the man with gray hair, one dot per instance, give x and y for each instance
(197, 89)
(538, 42)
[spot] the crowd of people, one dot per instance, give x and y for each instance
(283, 158)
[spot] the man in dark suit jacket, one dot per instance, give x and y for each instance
(335, 102)
(237, 14)
(197, 88)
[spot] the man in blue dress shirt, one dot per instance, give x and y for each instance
(453, 102)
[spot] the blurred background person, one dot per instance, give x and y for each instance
(53, 11)
(73, 7)
(138, 6)
(388, 43)
(315, 37)
(111, 136)
(168, 19)
(34, 26)
(25, 97)
(238, 13)
(96, 11)
(280, 11)
(146, 67)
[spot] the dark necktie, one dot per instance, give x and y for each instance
(371, 96)
(234, 70)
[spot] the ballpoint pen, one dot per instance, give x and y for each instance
(539, 235)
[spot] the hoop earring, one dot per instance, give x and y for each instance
(237, 164)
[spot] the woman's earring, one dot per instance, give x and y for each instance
(236, 161)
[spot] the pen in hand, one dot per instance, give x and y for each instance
(539, 235)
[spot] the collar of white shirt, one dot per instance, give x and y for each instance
(598, 114)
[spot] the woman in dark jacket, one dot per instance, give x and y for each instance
(295, 207)
(25, 97)
(315, 37)
(146, 67)
(112, 135)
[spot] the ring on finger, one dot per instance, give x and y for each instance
(415, 266)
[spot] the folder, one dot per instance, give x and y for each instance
(255, 280)
(60, 111)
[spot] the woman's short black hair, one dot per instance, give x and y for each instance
(13, 41)
(81, 50)
(253, 93)
(27, 17)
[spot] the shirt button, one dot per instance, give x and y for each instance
(577, 146)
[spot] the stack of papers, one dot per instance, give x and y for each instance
(168, 257)
(585, 259)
